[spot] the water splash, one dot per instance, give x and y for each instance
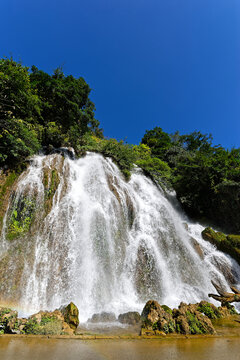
(106, 244)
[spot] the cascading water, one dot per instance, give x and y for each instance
(101, 242)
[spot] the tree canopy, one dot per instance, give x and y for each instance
(38, 109)
(206, 177)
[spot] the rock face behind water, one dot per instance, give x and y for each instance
(187, 319)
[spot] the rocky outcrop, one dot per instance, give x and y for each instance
(131, 318)
(187, 319)
(229, 244)
(58, 322)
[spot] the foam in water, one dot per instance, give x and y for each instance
(110, 245)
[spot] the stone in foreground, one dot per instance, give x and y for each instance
(57, 322)
(187, 319)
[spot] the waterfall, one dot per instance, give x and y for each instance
(86, 235)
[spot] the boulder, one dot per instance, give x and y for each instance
(157, 317)
(8, 321)
(131, 318)
(187, 319)
(70, 313)
(103, 317)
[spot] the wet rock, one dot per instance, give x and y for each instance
(70, 313)
(146, 273)
(155, 317)
(131, 318)
(8, 319)
(103, 317)
(197, 248)
(211, 311)
(187, 319)
(229, 244)
(182, 325)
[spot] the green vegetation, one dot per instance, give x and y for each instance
(206, 177)
(49, 325)
(21, 217)
(195, 325)
(167, 309)
(229, 244)
(42, 111)
(209, 310)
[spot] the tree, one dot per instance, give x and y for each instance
(158, 141)
(16, 94)
(65, 101)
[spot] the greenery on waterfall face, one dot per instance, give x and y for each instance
(41, 111)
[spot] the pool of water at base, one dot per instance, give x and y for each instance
(75, 349)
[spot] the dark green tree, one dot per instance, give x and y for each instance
(158, 141)
(16, 94)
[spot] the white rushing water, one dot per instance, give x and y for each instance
(110, 245)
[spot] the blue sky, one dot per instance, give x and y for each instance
(168, 63)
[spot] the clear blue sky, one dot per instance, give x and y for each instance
(168, 63)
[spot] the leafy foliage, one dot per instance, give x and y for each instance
(206, 177)
(121, 153)
(18, 140)
(40, 110)
(158, 141)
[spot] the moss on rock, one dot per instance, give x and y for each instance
(229, 244)
(187, 319)
(210, 310)
(7, 181)
(21, 217)
(70, 313)
(42, 323)
(50, 181)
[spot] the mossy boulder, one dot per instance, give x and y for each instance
(154, 317)
(131, 318)
(184, 320)
(8, 320)
(55, 322)
(229, 244)
(70, 313)
(189, 320)
(210, 310)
